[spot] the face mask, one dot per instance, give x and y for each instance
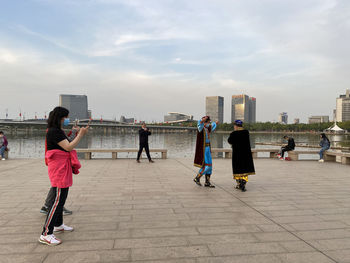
(66, 122)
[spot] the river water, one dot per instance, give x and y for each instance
(179, 145)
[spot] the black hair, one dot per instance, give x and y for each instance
(323, 135)
(285, 136)
(55, 117)
(1, 132)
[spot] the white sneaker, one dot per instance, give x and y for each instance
(50, 240)
(63, 228)
(321, 161)
(3, 159)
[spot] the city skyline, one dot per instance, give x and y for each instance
(170, 54)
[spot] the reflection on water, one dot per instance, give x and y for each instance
(178, 144)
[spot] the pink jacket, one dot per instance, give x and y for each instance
(61, 165)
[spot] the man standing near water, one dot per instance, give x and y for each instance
(242, 159)
(143, 136)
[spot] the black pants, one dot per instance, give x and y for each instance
(55, 215)
(285, 149)
(144, 145)
(50, 199)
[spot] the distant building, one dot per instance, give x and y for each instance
(318, 119)
(214, 107)
(243, 108)
(126, 120)
(343, 107)
(283, 118)
(296, 121)
(76, 104)
(177, 117)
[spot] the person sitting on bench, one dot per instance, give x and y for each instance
(289, 147)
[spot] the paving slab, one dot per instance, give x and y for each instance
(129, 212)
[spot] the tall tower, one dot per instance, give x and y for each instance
(76, 104)
(343, 107)
(214, 107)
(243, 108)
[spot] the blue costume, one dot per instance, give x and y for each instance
(203, 152)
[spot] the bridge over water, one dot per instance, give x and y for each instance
(30, 127)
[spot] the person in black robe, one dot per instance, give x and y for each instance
(144, 132)
(242, 159)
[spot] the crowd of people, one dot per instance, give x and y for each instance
(62, 162)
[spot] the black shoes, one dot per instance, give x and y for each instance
(208, 184)
(45, 210)
(197, 181)
(242, 185)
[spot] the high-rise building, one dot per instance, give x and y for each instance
(252, 110)
(76, 104)
(318, 119)
(243, 108)
(283, 118)
(343, 107)
(214, 107)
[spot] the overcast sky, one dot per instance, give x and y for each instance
(144, 58)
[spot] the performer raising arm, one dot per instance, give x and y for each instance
(203, 152)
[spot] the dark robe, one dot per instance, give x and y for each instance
(200, 147)
(242, 159)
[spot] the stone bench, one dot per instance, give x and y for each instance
(88, 152)
(330, 156)
(294, 155)
(228, 152)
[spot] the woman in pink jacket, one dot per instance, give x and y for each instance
(62, 161)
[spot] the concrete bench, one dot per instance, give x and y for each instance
(6, 155)
(88, 152)
(228, 152)
(294, 155)
(330, 156)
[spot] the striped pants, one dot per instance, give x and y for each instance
(55, 215)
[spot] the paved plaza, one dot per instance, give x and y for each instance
(128, 212)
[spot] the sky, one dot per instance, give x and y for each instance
(144, 58)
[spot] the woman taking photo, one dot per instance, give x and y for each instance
(325, 145)
(62, 162)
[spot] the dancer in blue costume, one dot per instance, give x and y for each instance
(203, 152)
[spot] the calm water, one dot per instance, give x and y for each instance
(178, 144)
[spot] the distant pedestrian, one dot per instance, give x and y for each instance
(242, 159)
(325, 145)
(62, 161)
(3, 145)
(202, 156)
(144, 132)
(289, 147)
(50, 198)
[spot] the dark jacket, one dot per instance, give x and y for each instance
(291, 144)
(5, 143)
(242, 159)
(144, 136)
(324, 143)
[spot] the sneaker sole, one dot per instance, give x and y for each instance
(47, 243)
(43, 212)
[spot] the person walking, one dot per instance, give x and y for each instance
(62, 162)
(242, 159)
(144, 132)
(289, 147)
(3, 145)
(50, 198)
(325, 145)
(202, 156)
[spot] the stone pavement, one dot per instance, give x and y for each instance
(129, 212)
